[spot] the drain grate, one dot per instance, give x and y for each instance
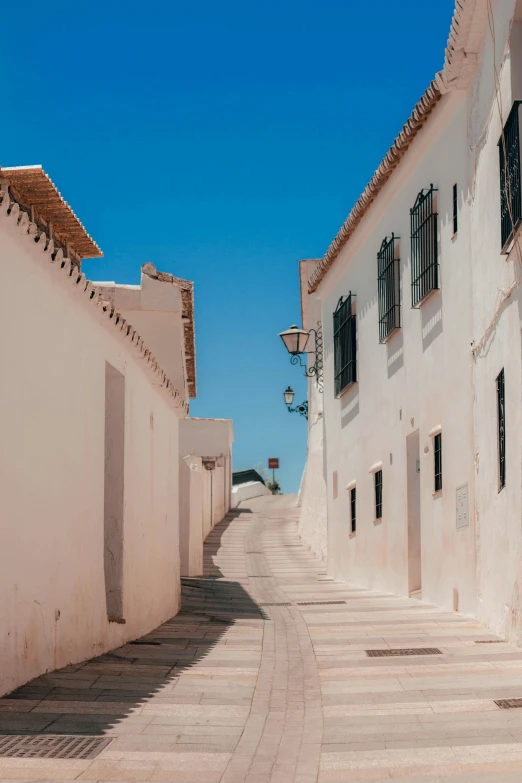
(319, 603)
(488, 641)
(51, 746)
(147, 644)
(280, 604)
(397, 653)
(508, 704)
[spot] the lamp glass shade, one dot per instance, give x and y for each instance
(295, 340)
(289, 395)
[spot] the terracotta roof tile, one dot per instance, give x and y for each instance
(36, 189)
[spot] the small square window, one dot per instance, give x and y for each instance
(353, 509)
(378, 494)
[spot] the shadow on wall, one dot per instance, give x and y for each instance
(431, 319)
(395, 353)
(93, 697)
(350, 405)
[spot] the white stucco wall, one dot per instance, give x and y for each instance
(210, 440)
(247, 491)
(191, 516)
(312, 493)
(496, 338)
(154, 308)
(420, 379)
(52, 418)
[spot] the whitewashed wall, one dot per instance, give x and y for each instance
(312, 493)
(419, 380)
(205, 494)
(52, 397)
(496, 338)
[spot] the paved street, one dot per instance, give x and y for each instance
(264, 677)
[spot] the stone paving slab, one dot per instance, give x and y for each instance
(235, 690)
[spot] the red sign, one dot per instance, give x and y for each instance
(273, 463)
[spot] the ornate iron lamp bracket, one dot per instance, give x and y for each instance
(316, 370)
(301, 409)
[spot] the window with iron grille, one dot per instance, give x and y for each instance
(437, 451)
(353, 509)
(509, 153)
(501, 408)
(378, 494)
(345, 358)
(388, 287)
(424, 247)
(455, 209)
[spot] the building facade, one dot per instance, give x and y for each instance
(96, 384)
(419, 303)
(205, 485)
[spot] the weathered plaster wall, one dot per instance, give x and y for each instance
(204, 492)
(497, 302)
(52, 418)
(154, 308)
(191, 516)
(252, 489)
(312, 493)
(420, 379)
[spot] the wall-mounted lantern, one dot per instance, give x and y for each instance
(302, 409)
(296, 341)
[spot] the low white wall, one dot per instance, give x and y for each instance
(191, 516)
(52, 418)
(253, 489)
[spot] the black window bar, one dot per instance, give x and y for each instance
(353, 509)
(509, 153)
(388, 288)
(437, 451)
(345, 345)
(501, 408)
(378, 494)
(424, 247)
(455, 210)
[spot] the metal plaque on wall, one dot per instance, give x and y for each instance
(462, 506)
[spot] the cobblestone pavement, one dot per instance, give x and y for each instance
(264, 678)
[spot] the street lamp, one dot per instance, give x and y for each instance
(296, 341)
(288, 394)
(302, 409)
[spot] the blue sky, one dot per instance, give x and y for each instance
(223, 142)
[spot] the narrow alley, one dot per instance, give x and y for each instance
(265, 677)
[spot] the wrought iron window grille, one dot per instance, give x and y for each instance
(501, 413)
(510, 196)
(388, 287)
(353, 509)
(424, 246)
(437, 455)
(345, 344)
(378, 494)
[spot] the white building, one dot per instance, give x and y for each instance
(420, 304)
(205, 485)
(95, 385)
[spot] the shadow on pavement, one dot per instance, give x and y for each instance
(96, 696)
